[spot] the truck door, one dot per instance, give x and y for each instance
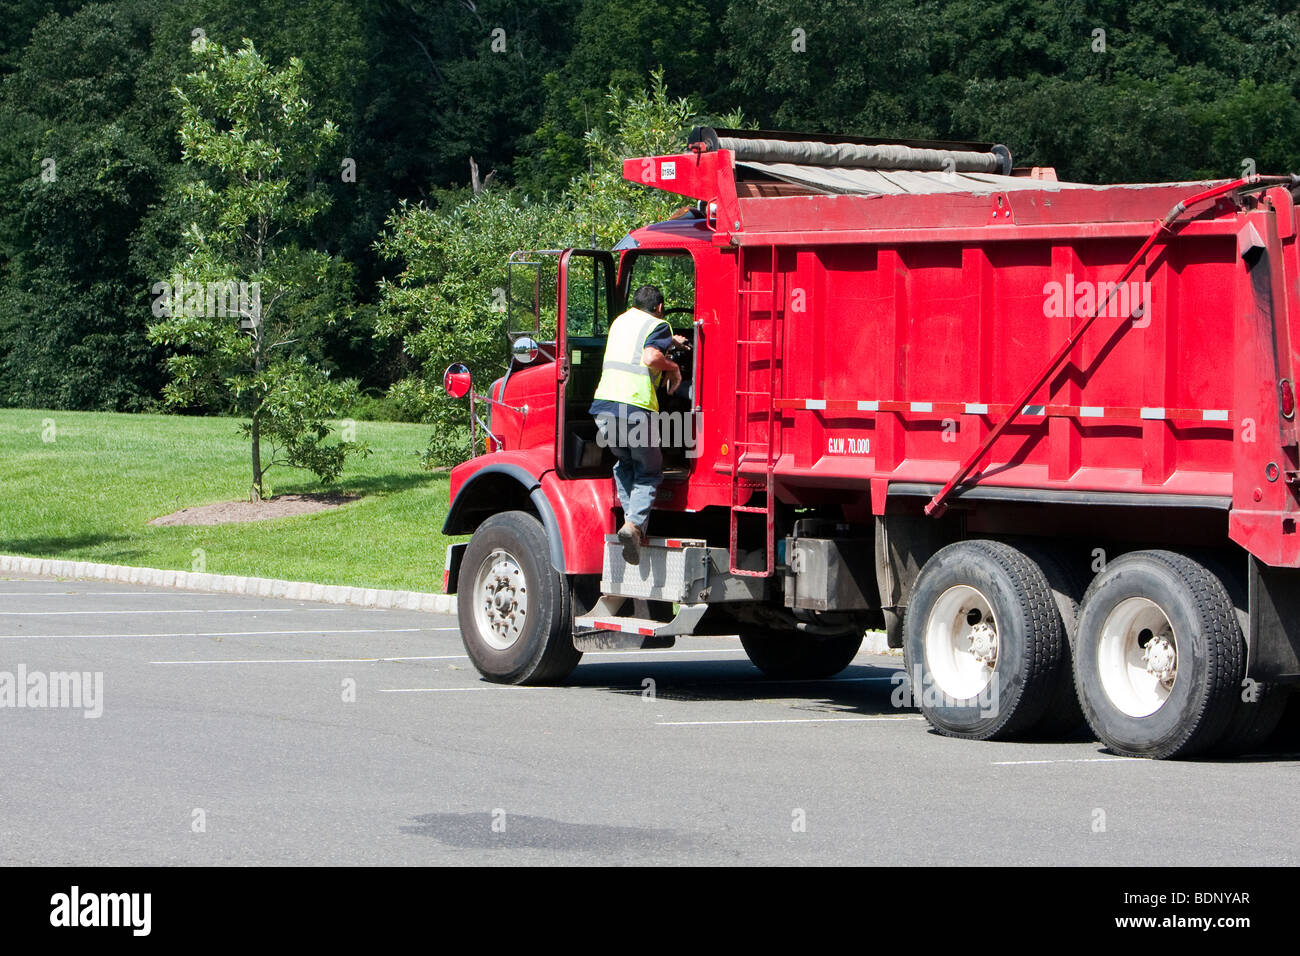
(587, 302)
(672, 272)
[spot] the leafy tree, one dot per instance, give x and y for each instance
(83, 158)
(600, 206)
(247, 300)
(16, 26)
(1106, 91)
(350, 76)
(417, 88)
(826, 66)
(617, 43)
(447, 304)
(1179, 89)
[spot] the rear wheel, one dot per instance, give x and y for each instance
(983, 641)
(789, 655)
(515, 610)
(1260, 704)
(1064, 715)
(1158, 656)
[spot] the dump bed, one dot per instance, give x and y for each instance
(899, 318)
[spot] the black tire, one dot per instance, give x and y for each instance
(1030, 641)
(540, 650)
(1064, 715)
(1255, 716)
(1210, 655)
(1260, 704)
(791, 655)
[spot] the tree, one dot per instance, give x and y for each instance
(448, 302)
(600, 205)
(1106, 91)
(247, 300)
(616, 44)
(416, 89)
(84, 155)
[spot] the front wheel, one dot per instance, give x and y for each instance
(515, 610)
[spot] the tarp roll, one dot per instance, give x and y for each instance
(897, 182)
(851, 155)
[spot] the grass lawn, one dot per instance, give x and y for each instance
(85, 488)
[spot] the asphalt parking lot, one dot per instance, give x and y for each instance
(235, 731)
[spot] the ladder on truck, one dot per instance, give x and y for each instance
(754, 355)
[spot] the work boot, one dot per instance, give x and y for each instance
(630, 536)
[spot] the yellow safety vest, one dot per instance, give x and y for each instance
(623, 376)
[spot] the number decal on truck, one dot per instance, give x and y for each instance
(848, 446)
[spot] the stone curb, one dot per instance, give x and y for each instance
(232, 584)
(876, 643)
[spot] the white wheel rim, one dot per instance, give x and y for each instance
(961, 642)
(1137, 657)
(500, 596)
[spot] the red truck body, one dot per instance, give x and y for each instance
(934, 307)
(854, 352)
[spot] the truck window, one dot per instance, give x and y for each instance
(674, 274)
(586, 327)
(586, 308)
(528, 298)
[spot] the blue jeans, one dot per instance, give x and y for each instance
(639, 469)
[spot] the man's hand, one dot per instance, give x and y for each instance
(653, 358)
(682, 343)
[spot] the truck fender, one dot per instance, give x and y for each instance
(584, 513)
(483, 493)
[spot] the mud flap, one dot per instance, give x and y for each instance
(1274, 644)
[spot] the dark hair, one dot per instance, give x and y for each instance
(648, 298)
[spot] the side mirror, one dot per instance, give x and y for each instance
(456, 380)
(524, 349)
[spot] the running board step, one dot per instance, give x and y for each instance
(680, 571)
(604, 629)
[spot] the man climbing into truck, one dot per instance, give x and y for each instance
(635, 364)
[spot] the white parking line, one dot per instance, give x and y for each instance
(324, 660)
(179, 610)
(787, 720)
(460, 690)
(1025, 763)
(4, 593)
(314, 631)
(453, 657)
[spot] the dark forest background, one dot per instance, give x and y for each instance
(1105, 91)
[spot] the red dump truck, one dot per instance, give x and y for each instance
(1040, 433)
